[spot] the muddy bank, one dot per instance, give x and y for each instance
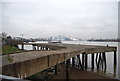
(74, 75)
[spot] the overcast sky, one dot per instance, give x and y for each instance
(72, 18)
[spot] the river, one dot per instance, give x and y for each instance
(109, 55)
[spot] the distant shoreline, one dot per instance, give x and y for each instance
(104, 41)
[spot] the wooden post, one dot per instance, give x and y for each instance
(67, 71)
(37, 47)
(55, 69)
(104, 60)
(99, 60)
(73, 61)
(115, 58)
(115, 62)
(48, 60)
(22, 46)
(69, 61)
(46, 48)
(92, 61)
(33, 47)
(96, 58)
(80, 61)
(85, 61)
(41, 48)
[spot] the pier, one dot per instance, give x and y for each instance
(44, 56)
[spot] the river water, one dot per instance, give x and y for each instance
(109, 55)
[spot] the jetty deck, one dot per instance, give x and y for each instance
(43, 56)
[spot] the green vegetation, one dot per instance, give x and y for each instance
(10, 58)
(8, 49)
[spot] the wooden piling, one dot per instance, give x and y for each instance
(85, 61)
(104, 60)
(56, 70)
(41, 48)
(92, 61)
(37, 47)
(115, 62)
(80, 64)
(99, 60)
(33, 47)
(73, 61)
(115, 58)
(96, 59)
(22, 46)
(46, 48)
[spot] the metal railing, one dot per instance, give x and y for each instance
(10, 78)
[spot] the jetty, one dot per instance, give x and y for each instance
(46, 55)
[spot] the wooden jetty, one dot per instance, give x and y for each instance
(44, 56)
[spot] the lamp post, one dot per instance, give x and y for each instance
(22, 46)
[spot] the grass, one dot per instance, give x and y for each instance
(8, 49)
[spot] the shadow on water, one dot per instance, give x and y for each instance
(100, 64)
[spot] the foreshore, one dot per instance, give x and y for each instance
(77, 74)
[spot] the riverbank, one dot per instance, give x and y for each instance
(74, 75)
(6, 49)
(77, 74)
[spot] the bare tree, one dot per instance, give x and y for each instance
(3, 35)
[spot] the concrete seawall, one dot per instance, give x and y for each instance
(28, 63)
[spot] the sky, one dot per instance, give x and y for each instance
(71, 18)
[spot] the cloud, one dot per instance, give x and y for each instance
(58, 1)
(47, 18)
